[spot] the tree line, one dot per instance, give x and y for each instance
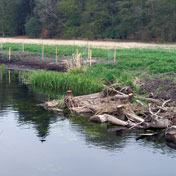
(146, 20)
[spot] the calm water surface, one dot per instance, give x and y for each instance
(34, 142)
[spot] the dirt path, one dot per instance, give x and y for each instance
(96, 44)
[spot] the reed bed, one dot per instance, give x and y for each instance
(81, 81)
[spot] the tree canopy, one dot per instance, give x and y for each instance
(146, 20)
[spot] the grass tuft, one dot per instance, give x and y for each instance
(84, 81)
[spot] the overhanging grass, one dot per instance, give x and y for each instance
(80, 81)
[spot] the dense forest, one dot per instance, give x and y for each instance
(145, 20)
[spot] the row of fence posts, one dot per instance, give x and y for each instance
(55, 58)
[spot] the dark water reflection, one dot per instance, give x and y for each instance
(34, 142)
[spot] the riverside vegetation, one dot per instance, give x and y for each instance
(131, 69)
(131, 63)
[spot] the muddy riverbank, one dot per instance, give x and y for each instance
(29, 61)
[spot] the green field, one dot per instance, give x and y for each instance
(151, 60)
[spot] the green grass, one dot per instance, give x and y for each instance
(151, 60)
(82, 81)
(129, 63)
(2, 67)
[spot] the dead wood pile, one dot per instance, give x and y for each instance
(119, 106)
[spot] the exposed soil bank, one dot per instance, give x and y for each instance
(160, 86)
(96, 44)
(29, 61)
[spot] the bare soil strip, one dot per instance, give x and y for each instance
(96, 44)
(21, 61)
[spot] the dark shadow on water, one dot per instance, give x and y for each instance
(22, 100)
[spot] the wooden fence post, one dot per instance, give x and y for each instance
(90, 58)
(77, 65)
(56, 55)
(88, 52)
(115, 54)
(43, 51)
(22, 47)
(9, 54)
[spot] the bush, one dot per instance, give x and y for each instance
(33, 28)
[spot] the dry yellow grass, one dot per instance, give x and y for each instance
(95, 44)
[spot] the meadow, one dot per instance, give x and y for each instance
(154, 60)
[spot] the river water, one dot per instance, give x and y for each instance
(34, 142)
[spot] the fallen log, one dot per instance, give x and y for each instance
(120, 113)
(132, 116)
(117, 108)
(108, 118)
(149, 99)
(158, 123)
(168, 108)
(147, 134)
(116, 121)
(99, 118)
(50, 105)
(81, 111)
(120, 97)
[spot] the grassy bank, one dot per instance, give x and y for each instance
(83, 81)
(130, 62)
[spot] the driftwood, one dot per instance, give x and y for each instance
(99, 118)
(149, 100)
(160, 123)
(120, 97)
(131, 115)
(114, 105)
(108, 118)
(147, 134)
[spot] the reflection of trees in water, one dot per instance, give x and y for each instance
(5, 94)
(25, 102)
(46, 94)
